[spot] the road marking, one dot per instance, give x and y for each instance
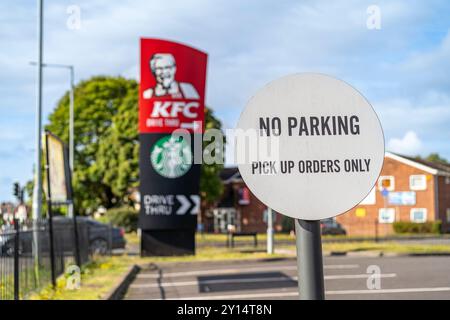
(380, 291)
(227, 271)
(252, 280)
(295, 293)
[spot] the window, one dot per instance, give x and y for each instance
(448, 215)
(386, 215)
(386, 182)
(447, 180)
(418, 182)
(370, 199)
(418, 215)
(360, 212)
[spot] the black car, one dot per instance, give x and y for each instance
(98, 237)
(331, 227)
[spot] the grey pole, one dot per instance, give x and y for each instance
(71, 131)
(37, 192)
(270, 248)
(309, 260)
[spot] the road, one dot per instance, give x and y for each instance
(345, 278)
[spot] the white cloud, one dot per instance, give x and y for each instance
(410, 144)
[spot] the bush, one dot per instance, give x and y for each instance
(412, 227)
(287, 224)
(125, 217)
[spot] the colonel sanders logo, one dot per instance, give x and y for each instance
(163, 68)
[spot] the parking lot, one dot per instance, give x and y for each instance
(402, 277)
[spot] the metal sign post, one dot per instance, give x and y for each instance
(270, 249)
(309, 260)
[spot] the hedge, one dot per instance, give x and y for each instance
(125, 217)
(413, 227)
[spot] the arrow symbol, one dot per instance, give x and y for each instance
(196, 200)
(185, 204)
(191, 125)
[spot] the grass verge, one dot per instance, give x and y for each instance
(101, 275)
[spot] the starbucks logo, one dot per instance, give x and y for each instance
(171, 157)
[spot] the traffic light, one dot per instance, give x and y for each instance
(16, 189)
(18, 192)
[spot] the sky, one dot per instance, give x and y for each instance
(399, 62)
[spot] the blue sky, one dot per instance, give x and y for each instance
(403, 68)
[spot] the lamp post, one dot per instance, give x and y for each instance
(37, 192)
(71, 113)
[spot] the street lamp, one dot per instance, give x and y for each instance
(37, 192)
(71, 113)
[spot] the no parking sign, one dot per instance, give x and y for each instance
(327, 146)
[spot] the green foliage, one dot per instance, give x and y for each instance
(287, 224)
(107, 143)
(211, 186)
(434, 157)
(412, 227)
(125, 217)
(98, 103)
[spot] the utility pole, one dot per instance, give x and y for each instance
(37, 192)
(71, 131)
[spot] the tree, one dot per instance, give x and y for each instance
(97, 103)
(107, 143)
(211, 186)
(434, 157)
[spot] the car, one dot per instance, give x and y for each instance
(331, 227)
(100, 238)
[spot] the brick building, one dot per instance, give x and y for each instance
(238, 207)
(415, 191)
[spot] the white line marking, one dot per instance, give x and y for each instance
(227, 271)
(360, 276)
(292, 294)
(254, 280)
(378, 291)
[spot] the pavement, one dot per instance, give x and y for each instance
(401, 277)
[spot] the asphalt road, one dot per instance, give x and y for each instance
(345, 278)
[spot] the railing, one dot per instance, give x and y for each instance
(26, 262)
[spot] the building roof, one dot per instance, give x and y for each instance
(427, 166)
(230, 174)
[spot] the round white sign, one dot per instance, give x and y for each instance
(309, 146)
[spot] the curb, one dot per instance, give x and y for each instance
(121, 287)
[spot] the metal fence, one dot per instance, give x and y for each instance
(28, 262)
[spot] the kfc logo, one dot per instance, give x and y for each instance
(172, 87)
(163, 68)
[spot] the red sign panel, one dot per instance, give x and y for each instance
(172, 90)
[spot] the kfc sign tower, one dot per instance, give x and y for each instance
(171, 97)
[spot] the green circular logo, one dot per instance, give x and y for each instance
(171, 157)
